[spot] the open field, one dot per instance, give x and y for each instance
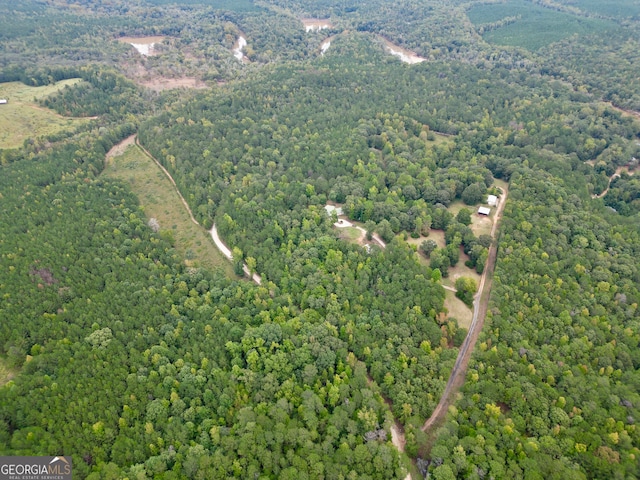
(481, 225)
(531, 26)
(161, 202)
(460, 270)
(440, 138)
(435, 235)
(458, 310)
(23, 118)
(315, 24)
(350, 234)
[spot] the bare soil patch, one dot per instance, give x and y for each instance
(629, 113)
(314, 24)
(142, 40)
(146, 78)
(407, 56)
(120, 148)
(144, 45)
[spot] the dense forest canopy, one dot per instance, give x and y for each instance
(138, 366)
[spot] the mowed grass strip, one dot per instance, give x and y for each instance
(350, 234)
(458, 310)
(22, 118)
(160, 201)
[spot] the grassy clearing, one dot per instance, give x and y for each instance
(350, 234)
(6, 373)
(533, 26)
(460, 270)
(161, 202)
(500, 184)
(435, 235)
(481, 225)
(23, 118)
(458, 310)
(440, 139)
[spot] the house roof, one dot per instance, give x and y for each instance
(484, 210)
(330, 209)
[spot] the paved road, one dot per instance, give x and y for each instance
(459, 371)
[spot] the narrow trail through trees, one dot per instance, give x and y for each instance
(611, 179)
(480, 306)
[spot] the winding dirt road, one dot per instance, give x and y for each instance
(611, 179)
(214, 231)
(344, 223)
(480, 306)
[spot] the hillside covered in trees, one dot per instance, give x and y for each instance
(116, 352)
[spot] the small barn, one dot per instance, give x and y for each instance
(484, 211)
(492, 200)
(3, 101)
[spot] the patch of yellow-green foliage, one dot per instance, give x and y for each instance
(161, 201)
(22, 118)
(6, 373)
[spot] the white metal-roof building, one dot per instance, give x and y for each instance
(330, 209)
(492, 200)
(484, 211)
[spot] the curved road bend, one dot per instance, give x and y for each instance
(480, 305)
(214, 231)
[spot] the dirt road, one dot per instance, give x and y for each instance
(214, 232)
(480, 305)
(611, 179)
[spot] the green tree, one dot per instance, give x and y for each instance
(465, 289)
(473, 194)
(428, 246)
(464, 216)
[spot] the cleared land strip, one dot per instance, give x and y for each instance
(213, 232)
(128, 163)
(480, 306)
